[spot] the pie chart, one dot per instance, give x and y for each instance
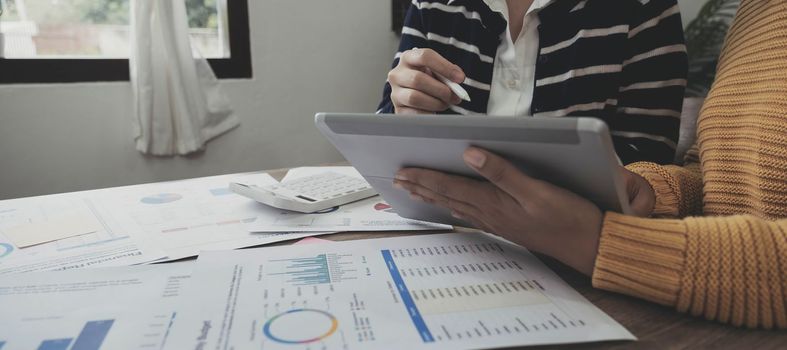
(300, 326)
(385, 207)
(161, 198)
(5, 249)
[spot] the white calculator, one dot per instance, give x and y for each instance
(308, 194)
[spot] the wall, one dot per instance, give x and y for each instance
(58, 138)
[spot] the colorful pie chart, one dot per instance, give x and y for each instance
(300, 326)
(383, 207)
(5, 249)
(161, 198)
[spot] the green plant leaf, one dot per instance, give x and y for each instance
(705, 37)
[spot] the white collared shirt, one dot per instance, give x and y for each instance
(514, 75)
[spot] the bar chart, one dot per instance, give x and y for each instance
(90, 338)
(55, 344)
(319, 269)
(130, 308)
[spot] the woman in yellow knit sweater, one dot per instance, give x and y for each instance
(719, 245)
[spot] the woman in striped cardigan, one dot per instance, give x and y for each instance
(623, 61)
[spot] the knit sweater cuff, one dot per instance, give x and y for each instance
(641, 257)
(668, 198)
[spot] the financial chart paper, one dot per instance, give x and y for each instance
(454, 291)
(129, 307)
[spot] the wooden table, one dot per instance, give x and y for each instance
(657, 327)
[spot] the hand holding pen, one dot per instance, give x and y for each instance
(424, 83)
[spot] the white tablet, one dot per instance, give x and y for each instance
(574, 153)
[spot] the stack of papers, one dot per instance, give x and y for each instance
(183, 218)
(168, 221)
(453, 291)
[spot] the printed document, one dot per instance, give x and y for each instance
(104, 244)
(114, 308)
(131, 225)
(452, 291)
(184, 217)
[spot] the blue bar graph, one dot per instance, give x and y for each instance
(92, 335)
(306, 271)
(55, 344)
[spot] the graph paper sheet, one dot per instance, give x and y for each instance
(112, 308)
(454, 291)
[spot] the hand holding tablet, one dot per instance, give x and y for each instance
(572, 153)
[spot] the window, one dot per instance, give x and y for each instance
(61, 41)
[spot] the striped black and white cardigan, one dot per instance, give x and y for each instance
(623, 61)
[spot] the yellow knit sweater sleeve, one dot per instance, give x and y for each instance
(730, 266)
(728, 269)
(678, 189)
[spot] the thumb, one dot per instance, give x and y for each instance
(497, 170)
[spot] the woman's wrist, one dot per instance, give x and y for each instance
(663, 186)
(579, 249)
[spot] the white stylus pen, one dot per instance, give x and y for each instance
(456, 88)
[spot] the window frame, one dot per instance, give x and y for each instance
(64, 70)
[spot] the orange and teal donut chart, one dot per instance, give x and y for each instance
(5, 249)
(266, 329)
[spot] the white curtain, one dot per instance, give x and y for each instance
(179, 105)
(2, 40)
